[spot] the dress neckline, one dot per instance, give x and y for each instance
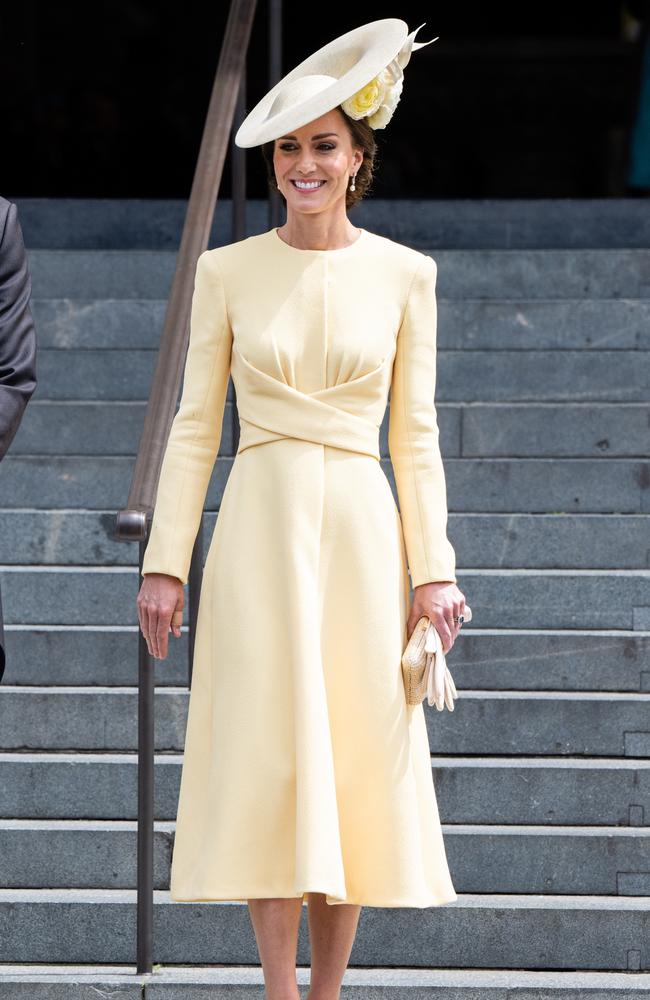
(293, 249)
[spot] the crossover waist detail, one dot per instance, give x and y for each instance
(270, 410)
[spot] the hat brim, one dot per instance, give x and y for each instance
(354, 58)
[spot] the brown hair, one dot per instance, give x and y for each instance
(362, 136)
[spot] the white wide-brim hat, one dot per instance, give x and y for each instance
(361, 70)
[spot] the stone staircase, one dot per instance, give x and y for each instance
(542, 773)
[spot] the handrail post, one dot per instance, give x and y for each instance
(133, 522)
(146, 750)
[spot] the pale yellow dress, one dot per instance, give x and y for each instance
(304, 769)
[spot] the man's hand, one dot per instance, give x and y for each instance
(160, 609)
(442, 601)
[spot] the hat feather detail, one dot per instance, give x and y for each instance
(378, 99)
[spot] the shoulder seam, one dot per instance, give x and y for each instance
(222, 284)
(416, 271)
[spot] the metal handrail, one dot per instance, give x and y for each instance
(161, 405)
(226, 109)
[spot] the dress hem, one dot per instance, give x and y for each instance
(331, 900)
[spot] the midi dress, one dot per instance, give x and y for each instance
(304, 770)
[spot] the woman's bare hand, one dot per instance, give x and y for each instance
(160, 609)
(442, 601)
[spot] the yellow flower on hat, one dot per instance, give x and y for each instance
(393, 84)
(379, 98)
(366, 101)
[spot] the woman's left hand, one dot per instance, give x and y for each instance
(442, 601)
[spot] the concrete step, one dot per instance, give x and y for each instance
(541, 485)
(100, 375)
(108, 655)
(449, 222)
(497, 485)
(465, 324)
(483, 722)
(508, 598)
(545, 791)
(472, 430)
(101, 482)
(92, 428)
(462, 274)
(67, 982)
(567, 860)
(544, 324)
(559, 430)
(462, 375)
(79, 323)
(537, 376)
(492, 659)
(476, 931)
(551, 660)
(534, 541)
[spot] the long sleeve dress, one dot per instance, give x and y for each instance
(304, 769)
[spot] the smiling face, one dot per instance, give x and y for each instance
(321, 152)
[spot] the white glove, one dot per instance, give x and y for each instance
(441, 689)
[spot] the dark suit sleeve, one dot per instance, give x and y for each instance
(17, 334)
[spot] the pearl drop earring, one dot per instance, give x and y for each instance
(352, 187)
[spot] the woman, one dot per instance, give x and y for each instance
(306, 776)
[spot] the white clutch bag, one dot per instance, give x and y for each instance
(424, 668)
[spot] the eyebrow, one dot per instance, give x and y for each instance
(321, 135)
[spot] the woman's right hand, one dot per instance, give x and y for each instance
(160, 608)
